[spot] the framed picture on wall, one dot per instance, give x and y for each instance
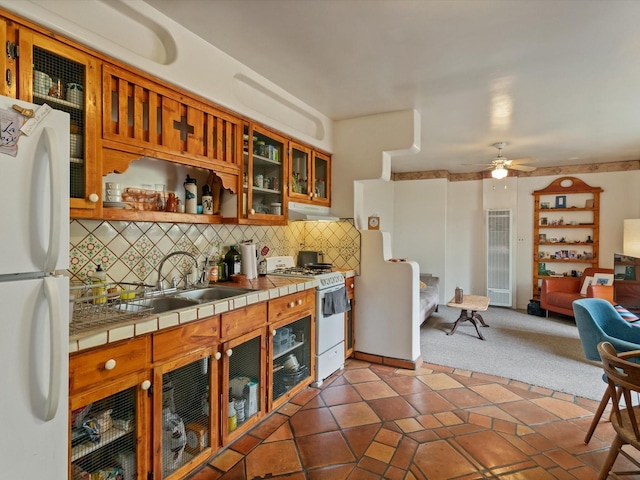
(543, 220)
(542, 238)
(561, 201)
(544, 205)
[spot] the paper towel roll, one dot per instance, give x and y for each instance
(249, 260)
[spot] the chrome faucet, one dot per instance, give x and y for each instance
(186, 275)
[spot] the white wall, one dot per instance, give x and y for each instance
(450, 225)
(139, 35)
(420, 221)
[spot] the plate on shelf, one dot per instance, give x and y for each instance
(114, 204)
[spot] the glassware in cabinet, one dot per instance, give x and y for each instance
(263, 174)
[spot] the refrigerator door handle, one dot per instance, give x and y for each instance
(55, 367)
(55, 217)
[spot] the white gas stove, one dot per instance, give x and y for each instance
(329, 324)
(322, 272)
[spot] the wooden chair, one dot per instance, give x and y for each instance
(625, 375)
(598, 321)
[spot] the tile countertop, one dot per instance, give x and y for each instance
(267, 288)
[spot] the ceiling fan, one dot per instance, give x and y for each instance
(501, 164)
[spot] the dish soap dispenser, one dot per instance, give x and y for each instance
(99, 277)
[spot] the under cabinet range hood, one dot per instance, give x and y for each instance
(303, 211)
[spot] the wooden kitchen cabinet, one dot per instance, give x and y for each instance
(67, 79)
(185, 412)
(263, 196)
(291, 348)
(110, 409)
(349, 318)
(242, 390)
(309, 175)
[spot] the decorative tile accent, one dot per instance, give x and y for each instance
(132, 251)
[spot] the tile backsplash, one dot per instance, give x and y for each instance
(131, 251)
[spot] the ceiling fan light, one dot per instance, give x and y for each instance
(499, 172)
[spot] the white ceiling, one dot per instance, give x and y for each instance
(559, 80)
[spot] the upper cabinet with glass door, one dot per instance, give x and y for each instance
(264, 157)
(66, 79)
(309, 175)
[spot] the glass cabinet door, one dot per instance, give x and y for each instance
(183, 413)
(108, 432)
(242, 392)
(65, 79)
(291, 358)
(321, 178)
(299, 172)
(263, 176)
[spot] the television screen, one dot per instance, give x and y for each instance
(626, 282)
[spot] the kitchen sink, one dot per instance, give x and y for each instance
(213, 293)
(158, 304)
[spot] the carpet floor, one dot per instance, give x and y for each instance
(540, 351)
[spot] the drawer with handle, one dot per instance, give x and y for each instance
(107, 363)
(290, 306)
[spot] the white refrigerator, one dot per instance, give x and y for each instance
(34, 298)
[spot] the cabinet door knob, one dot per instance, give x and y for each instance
(110, 364)
(229, 352)
(292, 304)
(145, 385)
(299, 301)
(351, 286)
(273, 333)
(93, 198)
(217, 355)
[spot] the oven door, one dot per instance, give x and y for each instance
(330, 328)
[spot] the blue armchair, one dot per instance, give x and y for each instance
(598, 321)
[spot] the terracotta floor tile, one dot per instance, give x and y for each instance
(226, 460)
(359, 438)
(388, 437)
(339, 472)
(275, 458)
(360, 375)
(528, 412)
(440, 461)
(372, 390)
(340, 395)
(561, 408)
(373, 421)
(496, 393)
(440, 381)
(354, 415)
(463, 397)
(405, 385)
(430, 402)
(324, 449)
(307, 422)
(380, 452)
(392, 408)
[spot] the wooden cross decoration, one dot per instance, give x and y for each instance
(184, 127)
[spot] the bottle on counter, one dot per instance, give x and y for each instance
(213, 270)
(222, 270)
(233, 261)
(99, 277)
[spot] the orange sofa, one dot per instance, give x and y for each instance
(558, 293)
